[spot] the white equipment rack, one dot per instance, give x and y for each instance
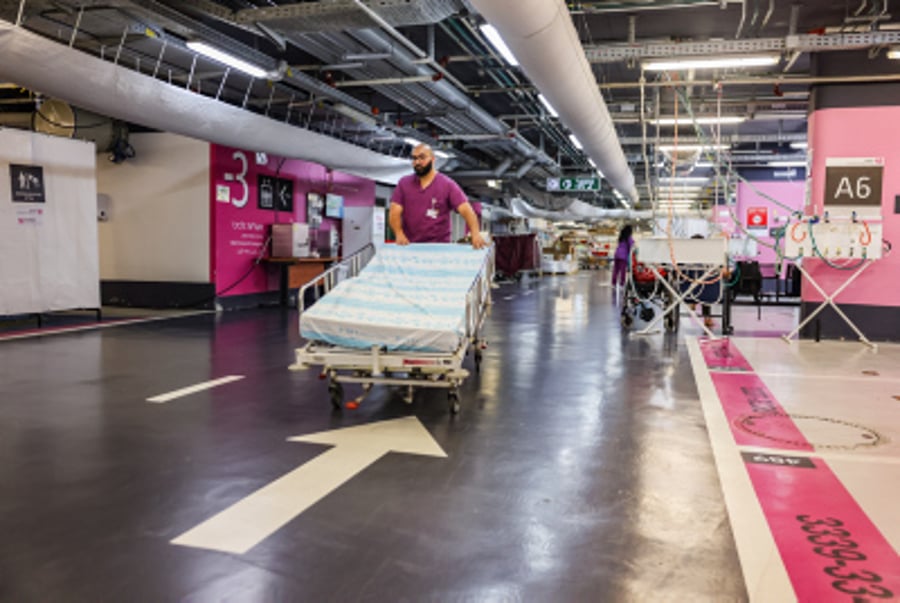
(835, 240)
(708, 255)
(400, 368)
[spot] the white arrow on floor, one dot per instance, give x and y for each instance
(246, 523)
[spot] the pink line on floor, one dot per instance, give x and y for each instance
(754, 415)
(830, 548)
(723, 354)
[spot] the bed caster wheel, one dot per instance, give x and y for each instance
(453, 400)
(336, 394)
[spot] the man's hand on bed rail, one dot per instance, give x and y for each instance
(478, 241)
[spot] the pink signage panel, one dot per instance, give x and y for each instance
(864, 132)
(249, 193)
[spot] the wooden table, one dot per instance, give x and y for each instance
(296, 272)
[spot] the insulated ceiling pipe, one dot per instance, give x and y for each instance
(576, 211)
(35, 62)
(470, 114)
(541, 35)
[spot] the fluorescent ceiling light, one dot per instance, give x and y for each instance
(693, 147)
(354, 114)
(412, 141)
(761, 115)
(497, 42)
(442, 154)
(548, 106)
(894, 53)
(702, 121)
(223, 57)
(711, 63)
(787, 164)
(575, 141)
(799, 145)
(678, 179)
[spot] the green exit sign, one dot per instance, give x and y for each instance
(573, 184)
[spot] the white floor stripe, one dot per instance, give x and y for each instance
(818, 377)
(185, 391)
(37, 332)
(764, 573)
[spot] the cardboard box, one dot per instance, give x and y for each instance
(290, 240)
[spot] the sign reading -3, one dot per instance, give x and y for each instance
(27, 183)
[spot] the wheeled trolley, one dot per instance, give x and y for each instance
(404, 316)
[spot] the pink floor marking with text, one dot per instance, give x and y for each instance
(831, 549)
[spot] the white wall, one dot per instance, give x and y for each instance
(158, 211)
(48, 249)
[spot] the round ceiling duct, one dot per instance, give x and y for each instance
(59, 118)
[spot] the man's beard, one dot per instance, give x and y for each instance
(423, 170)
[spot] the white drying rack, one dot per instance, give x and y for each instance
(835, 240)
(709, 255)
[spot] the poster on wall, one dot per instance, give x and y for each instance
(27, 183)
(314, 206)
(758, 218)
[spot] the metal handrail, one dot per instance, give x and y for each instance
(347, 268)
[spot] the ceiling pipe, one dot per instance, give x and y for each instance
(497, 172)
(520, 173)
(542, 37)
(38, 63)
(576, 211)
(442, 89)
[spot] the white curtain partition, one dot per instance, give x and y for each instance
(48, 251)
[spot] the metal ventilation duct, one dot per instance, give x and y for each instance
(576, 211)
(35, 62)
(541, 35)
(338, 15)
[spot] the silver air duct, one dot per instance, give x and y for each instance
(35, 62)
(541, 35)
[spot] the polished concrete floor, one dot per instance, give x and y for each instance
(579, 468)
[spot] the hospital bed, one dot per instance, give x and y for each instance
(403, 316)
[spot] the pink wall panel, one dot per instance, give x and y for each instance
(754, 195)
(240, 228)
(859, 132)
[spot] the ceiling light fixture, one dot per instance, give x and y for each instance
(685, 179)
(692, 147)
(702, 121)
(711, 63)
(799, 145)
(548, 106)
(354, 114)
(228, 59)
(894, 53)
(787, 164)
(575, 141)
(497, 42)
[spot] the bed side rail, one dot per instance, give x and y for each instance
(479, 295)
(347, 268)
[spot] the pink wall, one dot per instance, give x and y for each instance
(240, 228)
(858, 132)
(751, 195)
